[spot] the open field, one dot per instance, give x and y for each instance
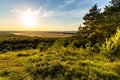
(37, 33)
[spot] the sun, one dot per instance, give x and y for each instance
(29, 19)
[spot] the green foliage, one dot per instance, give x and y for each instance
(91, 32)
(111, 44)
(43, 46)
(114, 6)
(99, 26)
(93, 53)
(52, 71)
(91, 17)
(23, 43)
(66, 63)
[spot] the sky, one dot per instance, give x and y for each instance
(45, 15)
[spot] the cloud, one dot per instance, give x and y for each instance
(15, 11)
(43, 12)
(77, 12)
(72, 13)
(66, 3)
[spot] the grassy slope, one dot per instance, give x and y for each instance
(61, 64)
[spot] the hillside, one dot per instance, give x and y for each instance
(53, 64)
(91, 53)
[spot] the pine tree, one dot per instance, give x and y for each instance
(99, 26)
(112, 16)
(91, 29)
(91, 17)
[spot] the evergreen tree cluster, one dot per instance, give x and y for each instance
(99, 25)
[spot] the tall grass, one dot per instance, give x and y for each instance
(63, 61)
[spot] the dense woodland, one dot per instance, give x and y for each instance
(93, 53)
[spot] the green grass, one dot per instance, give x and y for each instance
(62, 64)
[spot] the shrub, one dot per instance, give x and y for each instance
(111, 44)
(43, 46)
(52, 71)
(22, 55)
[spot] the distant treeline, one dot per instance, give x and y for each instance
(19, 43)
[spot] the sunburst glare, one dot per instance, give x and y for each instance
(29, 19)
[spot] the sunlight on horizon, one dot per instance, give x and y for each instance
(51, 15)
(29, 19)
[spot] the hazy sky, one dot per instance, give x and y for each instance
(54, 15)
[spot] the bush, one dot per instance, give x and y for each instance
(55, 70)
(43, 46)
(111, 44)
(23, 43)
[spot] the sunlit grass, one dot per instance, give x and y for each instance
(65, 64)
